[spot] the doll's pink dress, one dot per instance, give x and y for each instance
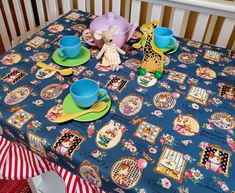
(111, 56)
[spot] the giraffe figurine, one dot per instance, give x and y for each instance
(153, 57)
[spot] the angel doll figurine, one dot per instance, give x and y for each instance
(109, 50)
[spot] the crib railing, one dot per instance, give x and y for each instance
(208, 12)
(138, 11)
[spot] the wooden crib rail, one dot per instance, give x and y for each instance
(208, 13)
(214, 7)
(208, 10)
(139, 11)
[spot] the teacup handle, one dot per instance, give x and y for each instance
(172, 45)
(84, 33)
(105, 94)
(61, 54)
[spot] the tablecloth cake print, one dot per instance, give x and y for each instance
(182, 125)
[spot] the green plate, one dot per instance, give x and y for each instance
(171, 52)
(70, 107)
(83, 57)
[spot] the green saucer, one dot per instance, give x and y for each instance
(70, 107)
(173, 49)
(83, 57)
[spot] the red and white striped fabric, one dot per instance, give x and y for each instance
(16, 162)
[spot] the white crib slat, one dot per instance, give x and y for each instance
(179, 22)
(72, 5)
(88, 6)
(135, 11)
(9, 20)
(106, 6)
(20, 16)
(47, 11)
(66, 6)
(81, 5)
(41, 13)
(200, 27)
(157, 12)
(210, 29)
(4, 34)
(225, 32)
(98, 7)
(30, 15)
(148, 12)
(56, 8)
(127, 9)
(171, 18)
(52, 9)
(116, 7)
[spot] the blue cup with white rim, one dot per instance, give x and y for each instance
(86, 92)
(70, 47)
(163, 38)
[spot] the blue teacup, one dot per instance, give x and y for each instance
(163, 38)
(85, 92)
(70, 47)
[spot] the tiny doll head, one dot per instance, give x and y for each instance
(107, 35)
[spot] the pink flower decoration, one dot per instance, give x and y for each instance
(131, 141)
(166, 183)
(204, 145)
(152, 150)
(96, 153)
(163, 140)
(64, 86)
(142, 163)
(189, 173)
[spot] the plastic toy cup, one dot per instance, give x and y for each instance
(163, 38)
(70, 47)
(85, 92)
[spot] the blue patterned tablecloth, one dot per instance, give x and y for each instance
(171, 135)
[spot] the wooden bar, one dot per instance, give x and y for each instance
(30, 15)
(98, 7)
(116, 7)
(41, 13)
(20, 16)
(81, 5)
(106, 6)
(9, 19)
(179, 22)
(200, 27)
(225, 32)
(157, 13)
(66, 6)
(4, 34)
(88, 6)
(127, 9)
(148, 12)
(233, 46)
(210, 29)
(52, 9)
(135, 11)
(212, 7)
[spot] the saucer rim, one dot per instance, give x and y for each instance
(93, 119)
(173, 51)
(61, 62)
